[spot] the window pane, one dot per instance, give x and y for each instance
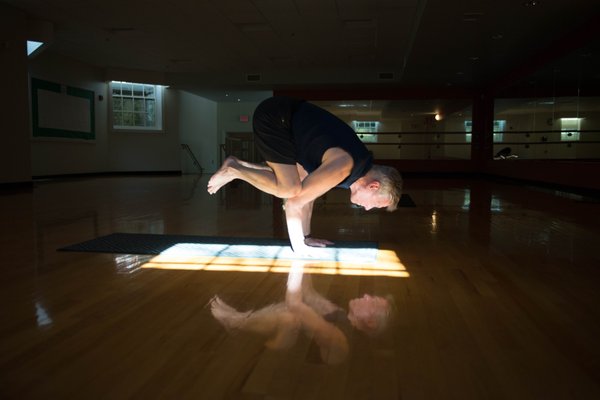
(117, 103)
(127, 89)
(150, 106)
(138, 105)
(150, 120)
(127, 104)
(128, 119)
(149, 91)
(138, 90)
(116, 88)
(139, 119)
(118, 119)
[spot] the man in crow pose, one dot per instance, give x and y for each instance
(309, 151)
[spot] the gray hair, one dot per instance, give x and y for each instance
(390, 182)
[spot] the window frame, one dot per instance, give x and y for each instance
(158, 109)
(366, 130)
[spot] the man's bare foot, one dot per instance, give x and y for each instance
(223, 176)
(228, 316)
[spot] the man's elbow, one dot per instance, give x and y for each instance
(289, 192)
(294, 206)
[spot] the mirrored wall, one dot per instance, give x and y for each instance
(553, 112)
(438, 129)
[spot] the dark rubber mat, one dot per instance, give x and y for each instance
(406, 201)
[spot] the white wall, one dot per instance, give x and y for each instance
(110, 151)
(198, 129)
(228, 119)
(187, 118)
(51, 156)
(15, 157)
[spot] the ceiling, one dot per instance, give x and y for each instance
(213, 47)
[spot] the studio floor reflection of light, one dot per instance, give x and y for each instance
(386, 263)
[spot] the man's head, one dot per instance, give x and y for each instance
(369, 314)
(381, 187)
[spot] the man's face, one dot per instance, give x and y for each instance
(363, 311)
(368, 198)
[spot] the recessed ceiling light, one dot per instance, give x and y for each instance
(474, 58)
(497, 36)
(531, 3)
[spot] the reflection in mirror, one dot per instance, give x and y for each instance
(412, 129)
(554, 113)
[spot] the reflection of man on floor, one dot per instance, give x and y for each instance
(305, 309)
(309, 151)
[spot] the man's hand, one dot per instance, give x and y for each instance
(312, 253)
(314, 242)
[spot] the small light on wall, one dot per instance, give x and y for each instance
(438, 116)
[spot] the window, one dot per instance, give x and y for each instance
(136, 106)
(469, 131)
(569, 128)
(365, 130)
(499, 127)
(33, 47)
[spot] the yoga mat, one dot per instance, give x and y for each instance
(210, 246)
(406, 201)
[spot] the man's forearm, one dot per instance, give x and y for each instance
(294, 216)
(307, 217)
(297, 218)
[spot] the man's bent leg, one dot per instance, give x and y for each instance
(280, 180)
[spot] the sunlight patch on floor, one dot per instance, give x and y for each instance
(387, 264)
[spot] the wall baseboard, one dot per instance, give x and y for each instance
(106, 174)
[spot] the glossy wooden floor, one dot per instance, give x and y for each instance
(500, 299)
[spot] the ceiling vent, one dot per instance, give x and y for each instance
(252, 77)
(386, 76)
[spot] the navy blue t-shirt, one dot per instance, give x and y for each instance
(316, 130)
